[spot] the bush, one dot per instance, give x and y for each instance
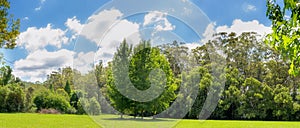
(82, 105)
(15, 100)
(3, 95)
(94, 108)
(46, 100)
(12, 98)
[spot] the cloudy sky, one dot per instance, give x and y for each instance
(60, 33)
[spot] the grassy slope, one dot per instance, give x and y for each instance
(79, 121)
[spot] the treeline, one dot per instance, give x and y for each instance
(55, 95)
(256, 84)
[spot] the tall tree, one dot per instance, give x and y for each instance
(146, 61)
(116, 70)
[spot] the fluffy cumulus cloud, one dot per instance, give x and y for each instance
(84, 62)
(39, 63)
(159, 20)
(74, 25)
(38, 38)
(107, 29)
(238, 26)
(209, 32)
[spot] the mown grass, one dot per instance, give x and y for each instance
(23, 120)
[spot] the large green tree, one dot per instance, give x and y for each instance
(148, 68)
(116, 70)
(141, 63)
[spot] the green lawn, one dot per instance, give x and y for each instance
(83, 121)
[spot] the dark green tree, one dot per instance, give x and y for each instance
(68, 88)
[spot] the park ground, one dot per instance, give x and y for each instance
(24, 120)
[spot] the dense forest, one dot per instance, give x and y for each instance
(257, 85)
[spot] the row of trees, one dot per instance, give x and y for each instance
(19, 96)
(257, 83)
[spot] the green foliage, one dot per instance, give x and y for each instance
(12, 98)
(46, 99)
(15, 99)
(74, 99)
(9, 28)
(94, 107)
(3, 96)
(144, 60)
(286, 32)
(68, 88)
(6, 76)
(83, 105)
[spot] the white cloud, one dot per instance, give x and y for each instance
(192, 45)
(39, 63)
(184, 1)
(34, 39)
(238, 26)
(26, 18)
(74, 25)
(38, 8)
(249, 7)
(209, 32)
(108, 31)
(83, 62)
(40, 5)
(98, 24)
(159, 20)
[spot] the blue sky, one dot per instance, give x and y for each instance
(50, 29)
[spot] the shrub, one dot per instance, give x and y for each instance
(15, 101)
(82, 105)
(12, 98)
(94, 108)
(3, 95)
(46, 100)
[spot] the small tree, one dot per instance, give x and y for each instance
(94, 108)
(83, 105)
(15, 99)
(68, 88)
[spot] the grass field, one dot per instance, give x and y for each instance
(83, 121)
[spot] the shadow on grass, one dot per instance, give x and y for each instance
(138, 119)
